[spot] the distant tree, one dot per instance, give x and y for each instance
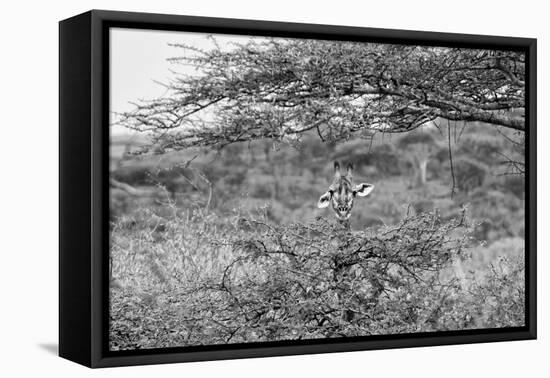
(385, 158)
(278, 89)
(481, 147)
(470, 174)
(514, 161)
(420, 146)
(501, 214)
(354, 151)
(515, 184)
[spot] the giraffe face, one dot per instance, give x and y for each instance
(341, 193)
(342, 199)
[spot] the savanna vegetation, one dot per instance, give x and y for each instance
(215, 233)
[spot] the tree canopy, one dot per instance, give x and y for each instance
(280, 88)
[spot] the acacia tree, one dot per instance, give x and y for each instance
(421, 146)
(280, 88)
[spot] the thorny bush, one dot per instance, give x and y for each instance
(256, 281)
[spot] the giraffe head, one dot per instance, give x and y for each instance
(342, 192)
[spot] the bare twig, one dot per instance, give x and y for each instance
(451, 158)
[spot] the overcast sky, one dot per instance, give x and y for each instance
(138, 58)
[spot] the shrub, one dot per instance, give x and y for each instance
(481, 147)
(383, 158)
(516, 185)
(499, 299)
(206, 281)
(470, 174)
(500, 214)
(495, 299)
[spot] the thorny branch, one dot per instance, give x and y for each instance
(292, 276)
(279, 88)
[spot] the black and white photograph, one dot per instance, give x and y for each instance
(269, 189)
(275, 189)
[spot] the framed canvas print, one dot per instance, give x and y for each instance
(233, 188)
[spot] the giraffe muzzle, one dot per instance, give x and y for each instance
(342, 212)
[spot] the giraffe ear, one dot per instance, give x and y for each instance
(324, 200)
(363, 189)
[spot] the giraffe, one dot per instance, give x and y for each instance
(341, 195)
(342, 192)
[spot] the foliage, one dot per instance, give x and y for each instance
(482, 147)
(280, 88)
(496, 300)
(470, 174)
(501, 215)
(420, 146)
(195, 279)
(382, 159)
(255, 130)
(289, 180)
(423, 139)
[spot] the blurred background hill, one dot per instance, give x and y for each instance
(411, 172)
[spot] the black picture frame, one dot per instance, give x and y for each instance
(84, 189)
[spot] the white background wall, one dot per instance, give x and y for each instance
(29, 189)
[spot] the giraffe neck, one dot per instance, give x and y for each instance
(344, 224)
